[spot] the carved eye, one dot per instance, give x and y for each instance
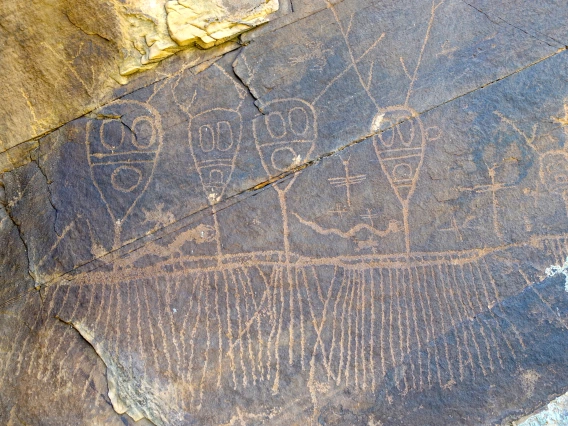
(387, 137)
(206, 138)
(276, 125)
(224, 135)
(144, 135)
(406, 132)
(112, 134)
(298, 120)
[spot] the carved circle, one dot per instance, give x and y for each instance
(298, 120)
(283, 158)
(206, 138)
(224, 136)
(126, 178)
(276, 125)
(112, 134)
(405, 132)
(387, 137)
(144, 133)
(402, 171)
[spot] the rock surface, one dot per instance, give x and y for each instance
(358, 218)
(62, 59)
(555, 413)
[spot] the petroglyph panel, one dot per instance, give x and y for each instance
(64, 59)
(346, 222)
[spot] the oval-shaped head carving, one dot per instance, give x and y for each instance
(214, 141)
(215, 131)
(123, 143)
(399, 143)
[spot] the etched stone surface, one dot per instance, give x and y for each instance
(359, 218)
(62, 59)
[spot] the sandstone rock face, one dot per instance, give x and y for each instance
(62, 59)
(206, 22)
(358, 218)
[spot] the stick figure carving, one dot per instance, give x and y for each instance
(214, 139)
(122, 151)
(285, 138)
(214, 131)
(215, 136)
(400, 149)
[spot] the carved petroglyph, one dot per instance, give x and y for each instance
(285, 138)
(215, 136)
(315, 54)
(393, 226)
(400, 137)
(253, 317)
(491, 188)
(375, 315)
(347, 181)
(250, 317)
(200, 234)
(123, 148)
(400, 150)
(452, 226)
(553, 163)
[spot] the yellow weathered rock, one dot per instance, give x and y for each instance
(208, 22)
(62, 59)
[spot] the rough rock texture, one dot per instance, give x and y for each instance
(206, 22)
(555, 413)
(62, 59)
(358, 218)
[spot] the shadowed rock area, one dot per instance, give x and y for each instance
(354, 214)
